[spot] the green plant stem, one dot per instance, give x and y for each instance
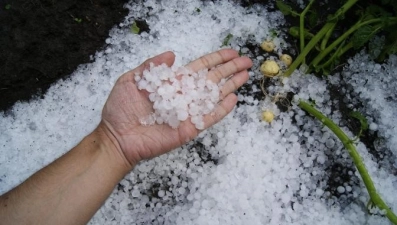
(318, 37)
(302, 26)
(352, 29)
(326, 37)
(337, 54)
(301, 57)
(358, 162)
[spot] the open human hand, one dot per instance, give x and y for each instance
(127, 104)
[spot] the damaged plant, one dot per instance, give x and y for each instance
(324, 49)
(322, 53)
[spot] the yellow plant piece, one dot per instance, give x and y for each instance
(267, 116)
(270, 68)
(287, 59)
(268, 46)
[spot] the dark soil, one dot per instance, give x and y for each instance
(44, 40)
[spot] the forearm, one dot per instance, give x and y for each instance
(71, 189)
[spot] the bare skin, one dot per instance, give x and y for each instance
(72, 188)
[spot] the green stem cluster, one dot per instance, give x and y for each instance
(302, 26)
(312, 43)
(315, 62)
(339, 46)
(358, 162)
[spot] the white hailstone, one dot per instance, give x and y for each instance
(330, 143)
(285, 198)
(341, 189)
(348, 188)
(373, 126)
(190, 197)
(319, 191)
(135, 193)
(161, 193)
(181, 190)
(174, 180)
(178, 94)
(182, 115)
(310, 140)
(321, 159)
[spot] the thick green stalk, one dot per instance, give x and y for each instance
(343, 37)
(358, 162)
(327, 37)
(318, 37)
(302, 26)
(301, 57)
(337, 54)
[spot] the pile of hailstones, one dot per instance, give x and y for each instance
(178, 94)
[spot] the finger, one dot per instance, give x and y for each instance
(224, 108)
(213, 59)
(234, 83)
(233, 66)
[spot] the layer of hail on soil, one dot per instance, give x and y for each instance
(241, 171)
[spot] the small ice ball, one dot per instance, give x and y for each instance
(135, 193)
(174, 180)
(330, 143)
(178, 93)
(373, 126)
(200, 125)
(319, 192)
(321, 159)
(182, 115)
(190, 197)
(174, 122)
(137, 77)
(181, 190)
(161, 193)
(341, 189)
(348, 188)
(161, 91)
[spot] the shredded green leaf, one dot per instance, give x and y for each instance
(285, 9)
(362, 36)
(226, 40)
(273, 33)
(360, 117)
(78, 20)
(294, 31)
(134, 28)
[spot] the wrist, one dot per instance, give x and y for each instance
(109, 144)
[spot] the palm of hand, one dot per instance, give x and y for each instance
(127, 104)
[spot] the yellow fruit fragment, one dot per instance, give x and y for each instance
(267, 116)
(270, 68)
(287, 59)
(268, 46)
